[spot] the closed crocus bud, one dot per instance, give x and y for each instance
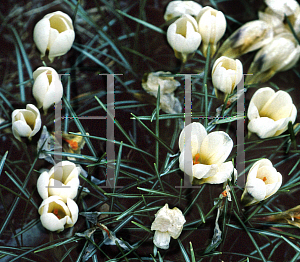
(251, 36)
(282, 7)
(26, 122)
(204, 159)
(168, 223)
(280, 55)
(212, 26)
(47, 88)
(55, 34)
(226, 74)
(62, 180)
(179, 8)
(56, 215)
(269, 113)
(263, 181)
(183, 37)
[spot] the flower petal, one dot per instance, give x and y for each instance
(215, 148)
(41, 35)
(52, 223)
(42, 185)
(224, 173)
(204, 171)
(161, 239)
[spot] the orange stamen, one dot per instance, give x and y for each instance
(55, 212)
(264, 179)
(73, 144)
(224, 193)
(196, 159)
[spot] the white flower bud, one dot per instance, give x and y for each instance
(26, 122)
(263, 181)
(211, 26)
(62, 180)
(205, 158)
(249, 37)
(168, 223)
(47, 88)
(226, 74)
(269, 113)
(183, 37)
(179, 8)
(280, 55)
(54, 33)
(56, 215)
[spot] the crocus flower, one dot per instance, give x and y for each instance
(269, 113)
(263, 181)
(55, 34)
(281, 54)
(183, 37)
(168, 223)
(249, 37)
(179, 8)
(62, 180)
(211, 26)
(206, 156)
(26, 122)
(226, 74)
(47, 88)
(56, 215)
(282, 7)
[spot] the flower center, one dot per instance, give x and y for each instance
(55, 212)
(264, 179)
(196, 159)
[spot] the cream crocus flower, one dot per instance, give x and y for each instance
(263, 181)
(168, 223)
(212, 26)
(280, 55)
(226, 74)
(282, 7)
(269, 113)
(183, 37)
(249, 37)
(47, 88)
(179, 8)
(62, 180)
(203, 155)
(56, 215)
(26, 122)
(55, 34)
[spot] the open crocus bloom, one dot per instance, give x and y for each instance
(62, 180)
(205, 157)
(168, 223)
(26, 122)
(56, 215)
(269, 113)
(54, 33)
(179, 8)
(183, 37)
(262, 182)
(47, 88)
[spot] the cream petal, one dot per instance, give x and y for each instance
(197, 133)
(40, 88)
(52, 223)
(42, 185)
(205, 25)
(73, 210)
(256, 188)
(41, 34)
(264, 127)
(161, 239)
(278, 106)
(21, 129)
(215, 148)
(200, 170)
(224, 173)
(73, 175)
(52, 36)
(260, 98)
(186, 162)
(270, 190)
(62, 44)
